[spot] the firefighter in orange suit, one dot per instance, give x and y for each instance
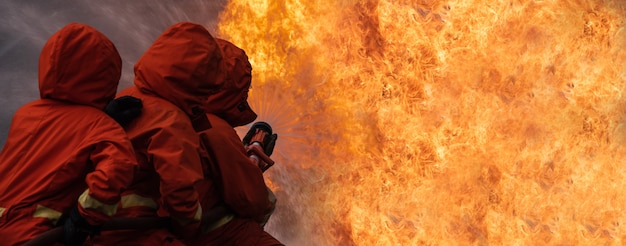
(65, 161)
(173, 79)
(232, 178)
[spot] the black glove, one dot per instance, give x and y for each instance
(124, 109)
(76, 229)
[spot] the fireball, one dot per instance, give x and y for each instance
(425, 122)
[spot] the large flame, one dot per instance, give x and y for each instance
(425, 122)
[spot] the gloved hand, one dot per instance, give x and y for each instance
(76, 229)
(124, 109)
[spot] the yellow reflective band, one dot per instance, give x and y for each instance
(88, 202)
(48, 213)
(198, 215)
(134, 200)
(2, 211)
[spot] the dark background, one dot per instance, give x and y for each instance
(25, 25)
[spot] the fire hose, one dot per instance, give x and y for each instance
(138, 223)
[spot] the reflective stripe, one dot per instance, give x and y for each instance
(198, 215)
(2, 211)
(48, 213)
(134, 200)
(223, 221)
(88, 202)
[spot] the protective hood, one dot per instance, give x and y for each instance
(184, 65)
(231, 102)
(78, 64)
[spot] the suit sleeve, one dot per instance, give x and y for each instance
(243, 186)
(174, 151)
(114, 163)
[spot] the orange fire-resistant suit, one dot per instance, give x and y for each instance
(62, 150)
(231, 177)
(173, 79)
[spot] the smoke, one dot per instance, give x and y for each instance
(131, 25)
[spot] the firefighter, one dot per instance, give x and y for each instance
(65, 162)
(173, 79)
(232, 176)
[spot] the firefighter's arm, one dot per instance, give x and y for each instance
(244, 188)
(259, 142)
(260, 159)
(114, 163)
(174, 149)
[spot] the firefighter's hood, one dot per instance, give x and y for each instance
(231, 102)
(184, 65)
(78, 64)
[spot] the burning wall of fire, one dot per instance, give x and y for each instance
(425, 122)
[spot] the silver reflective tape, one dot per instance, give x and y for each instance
(88, 202)
(48, 213)
(134, 200)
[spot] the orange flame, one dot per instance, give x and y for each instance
(425, 122)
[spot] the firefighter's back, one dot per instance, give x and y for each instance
(44, 163)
